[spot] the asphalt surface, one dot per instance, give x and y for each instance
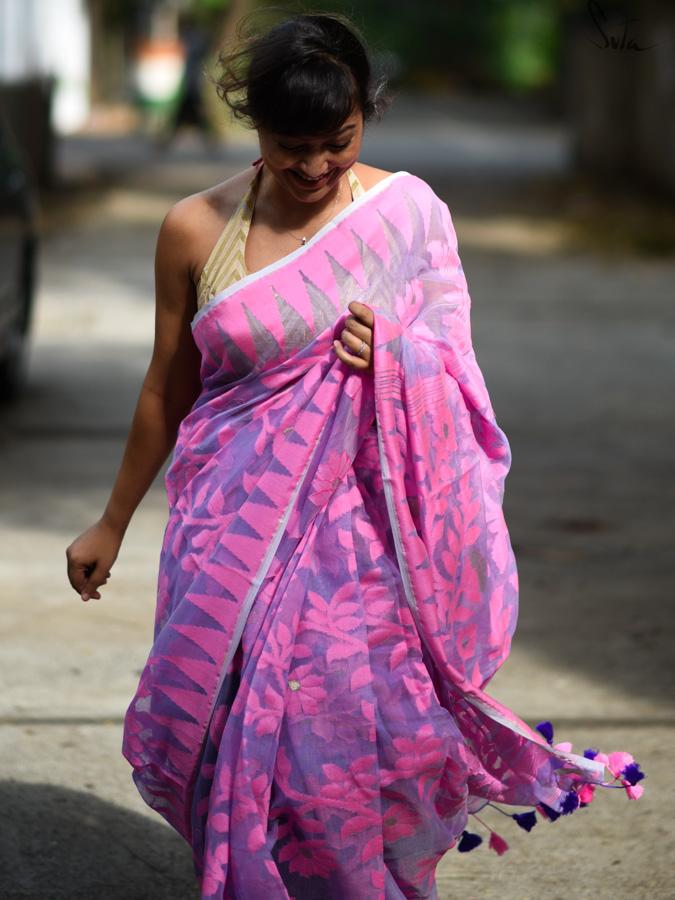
(577, 351)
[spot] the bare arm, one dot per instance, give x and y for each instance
(169, 389)
(171, 383)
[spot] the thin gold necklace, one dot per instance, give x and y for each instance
(303, 239)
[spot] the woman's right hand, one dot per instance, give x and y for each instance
(91, 556)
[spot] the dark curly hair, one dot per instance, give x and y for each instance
(304, 75)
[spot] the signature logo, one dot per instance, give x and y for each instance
(617, 38)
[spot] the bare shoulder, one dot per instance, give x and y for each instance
(369, 175)
(194, 223)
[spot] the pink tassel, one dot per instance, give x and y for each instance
(497, 843)
(586, 793)
(634, 791)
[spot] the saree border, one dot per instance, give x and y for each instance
(295, 254)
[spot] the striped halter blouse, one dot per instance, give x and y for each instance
(225, 264)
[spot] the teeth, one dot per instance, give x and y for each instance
(318, 178)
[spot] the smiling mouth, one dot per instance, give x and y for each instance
(313, 182)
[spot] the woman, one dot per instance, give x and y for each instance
(336, 582)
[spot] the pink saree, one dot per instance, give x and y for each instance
(336, 583)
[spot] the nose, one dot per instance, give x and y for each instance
(314, 166)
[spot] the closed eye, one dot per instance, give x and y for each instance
(303, 147)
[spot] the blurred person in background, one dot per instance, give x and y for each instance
(189, 110)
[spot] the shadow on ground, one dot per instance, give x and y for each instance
(61, 844)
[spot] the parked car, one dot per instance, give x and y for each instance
(18, 258)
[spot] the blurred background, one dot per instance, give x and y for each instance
(549, 129)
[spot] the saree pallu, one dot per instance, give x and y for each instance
(336, 583)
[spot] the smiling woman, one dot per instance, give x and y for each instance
(336, 584)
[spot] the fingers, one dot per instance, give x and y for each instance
(360, 323)
(362, 312)
(358, 329)
(357, 362)
(90, 587)
(77, 572)
(355, 328)
(90, 557)
(354, 343)
(86, 578)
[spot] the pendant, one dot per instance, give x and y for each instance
(303, 241)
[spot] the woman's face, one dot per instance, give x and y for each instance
(309, 167)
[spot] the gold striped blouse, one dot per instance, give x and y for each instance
(225, 264)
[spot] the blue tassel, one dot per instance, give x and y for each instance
(526, 820)
(546, 731)
(549, 813)
(469, 841)
(632, 773)
(570, 803)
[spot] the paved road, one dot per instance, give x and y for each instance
(577, 353)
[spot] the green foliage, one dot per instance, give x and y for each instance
(209, 12)
(216, 6)
(505, 43)
(525, 38)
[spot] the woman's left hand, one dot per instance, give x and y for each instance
(358, 327)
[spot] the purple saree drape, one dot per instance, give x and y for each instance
(336, 583)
